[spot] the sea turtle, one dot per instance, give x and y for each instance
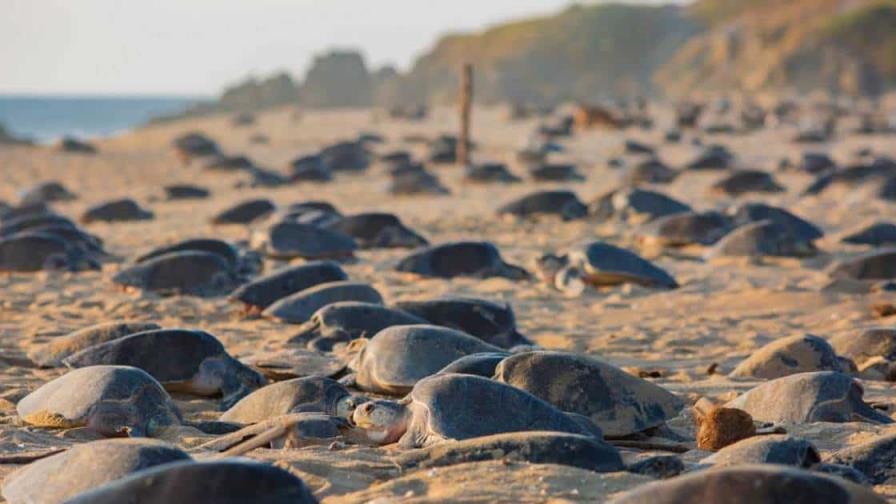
(221, 162)
(749, 484)
(315, 394)
(116, 211)
(397, 357)
(185, 192)
(563, 204)
(30, 209)
(554, 172)
(687, 228)
(879, 264)
(262, 177)
(757, 212)
(85, 242)
(188, 273)
(309, 169)
(714, 157)
(489, 173)
(534, 447)
(182, 360)
(776, 449)
(494, 323)
(30, 222)
(877, 235)
(55, 479)
(636, 147)
(345, 321)
(213, 482)
(300, 307)
(479, 364)
(194, 144)
(455, 407)
(264, 291)
(35, 251)
(619, 403)
(657, 466)
(874, 347)
(345, 157)
(763, 238)
(651, 171)
(787, 356)
(816, 162)
(417, 182)
(211, 245)
(599, 263)
(110, 400)
(378, 230)
(639, 205)
(463, 258)
(72, 145)
(288, 240)
(52, 353)
(873, 458)
(747, 181)
(46, 192)
(886, 189)
(821, 396)
(245, 212)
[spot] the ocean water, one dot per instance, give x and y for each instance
(47, 118)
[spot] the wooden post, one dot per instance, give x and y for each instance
(466, 104)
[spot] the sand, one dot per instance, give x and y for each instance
(724, 310)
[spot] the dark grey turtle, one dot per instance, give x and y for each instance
(874, 459)
(479, 364)
(763, 238)
(886, 189)
(879, 264)
(245, 212)
(639, 205)
(747, 181)
(787, 356)
(816, 162)
(749, 484)
(46, 192)
(455, 407)
(757, 212)
(263, 292)
(211, 245)
(822, 396)
(657, 466)
(308, 206)
(688, 228)
(25, 209)
(288, 240)
(314, 394)
(185, 192)
(877, 171)
(397, 357)
(111, 400)
(29, 222)
(490, 173)
(52, 353)
(194, 144)
(221, 162)
(572, 450)
(877, 235)
(189, 361)
(57, 478)
(188, 273)
(714, 157)
(878, 344)
(494, 323)
(28, 252)
(651, 171)
(345, 157)
(378, 230)
(463, 258)
(553, 172)
(417, 182)
(617, 402)
(600, 264)
(345, 321)
(74, 146)
(300, 307)
(563, 204)
(777, 449)
(85, 242)
(407, 169)
(217, 482)
(309, 169)
(635, 147)
(116, 211)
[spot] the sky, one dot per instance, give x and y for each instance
(196, 47)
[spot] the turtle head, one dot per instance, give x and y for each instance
(383, 422)
(347, 405)
(115, 419)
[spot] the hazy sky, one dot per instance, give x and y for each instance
(197, 46)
